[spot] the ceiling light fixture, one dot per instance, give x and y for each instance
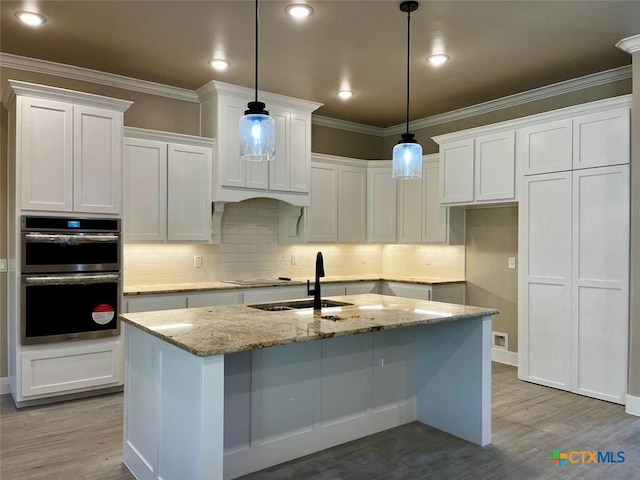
(31, 19)
(219, 64)
(407, 154)
(345, 94)
(299, 10)
(437, 59)
(257, 128)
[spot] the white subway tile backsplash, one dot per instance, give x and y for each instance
(250, 249)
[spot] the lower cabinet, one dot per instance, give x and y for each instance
(65, 369)
(573, 306)
(149, 303)
(408, 290)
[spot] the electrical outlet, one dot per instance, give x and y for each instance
(363, 257)
(3, 264)
(294, 259)
(512, 262)
(197, 261)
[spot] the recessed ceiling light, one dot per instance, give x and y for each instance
(299, 10)
(219, 64)
(344, 94)
(437, 59)
(31, 19)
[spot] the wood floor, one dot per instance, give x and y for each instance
(82, 439)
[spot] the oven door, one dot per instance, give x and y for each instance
(70, 252)
(60, 307)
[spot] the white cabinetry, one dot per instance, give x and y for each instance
(408, 290)
(573, 309)
(477, 170)
(285, 178)
(68, 149)
(167, 186)
(338, 200)
(421, 218)
(381, 204)
(591, 140)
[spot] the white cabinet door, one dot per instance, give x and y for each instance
(408, 290)
(456, 172)
(434, 217)
(495, 167)
(150, 303)
(601, 139)
(280, 167)
(45, 153)
(381, 205)
(409, 211)
(232, 170)
(300, 148)
(189, 193)
(211, 299)
(322, 215)
(352, 198)
(145, 190)
(97, 160)
(545, 148)
(544, 317)
(600, 282)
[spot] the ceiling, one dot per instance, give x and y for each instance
(497, 48)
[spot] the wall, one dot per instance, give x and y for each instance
(491, 238)
(332, 141)
(3, 241)
(250, 249)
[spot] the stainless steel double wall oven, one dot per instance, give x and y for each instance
(71, 279)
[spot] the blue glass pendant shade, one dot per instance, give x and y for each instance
(407, 158)
(257, 134)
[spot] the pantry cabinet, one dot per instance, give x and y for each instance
(573, 307)
(288, 176)
(167, 187)
(68, 149)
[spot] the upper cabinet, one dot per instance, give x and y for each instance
(381, 204)
(288, 176)
(68, 149)
(167, 187)
(478, 170)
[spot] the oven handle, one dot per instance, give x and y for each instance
(74, 239)
(81, 279)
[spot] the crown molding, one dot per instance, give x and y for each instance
(561, 88)
(207, 91)
(346, 125)
(45, 91)
(160, 136)
(8, 60)
(630, 44)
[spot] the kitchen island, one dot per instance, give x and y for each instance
(219, 392)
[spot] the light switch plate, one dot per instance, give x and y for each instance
(512, 262)
(3, 264)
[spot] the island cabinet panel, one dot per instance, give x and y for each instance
(237, 401)
(393, 370)
(346, 392)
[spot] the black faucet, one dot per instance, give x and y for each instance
(317, 297)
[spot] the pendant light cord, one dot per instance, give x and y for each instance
(408, 59)
(256, 50)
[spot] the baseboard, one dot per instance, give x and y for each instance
(504, 356)
(4, 386)
(633, 405)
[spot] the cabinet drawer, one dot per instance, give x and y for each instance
(69, 369)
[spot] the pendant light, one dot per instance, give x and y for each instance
(407, 154)
(257, 128)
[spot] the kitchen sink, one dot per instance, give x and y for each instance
(296, 305)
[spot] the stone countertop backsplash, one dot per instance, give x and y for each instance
(130, 290)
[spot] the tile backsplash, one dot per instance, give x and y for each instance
(250, 249)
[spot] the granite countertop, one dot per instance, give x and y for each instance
(212, 286)
(235, 328)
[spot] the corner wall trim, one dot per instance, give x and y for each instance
(4, 386)
(633, 405)
(504, 356)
